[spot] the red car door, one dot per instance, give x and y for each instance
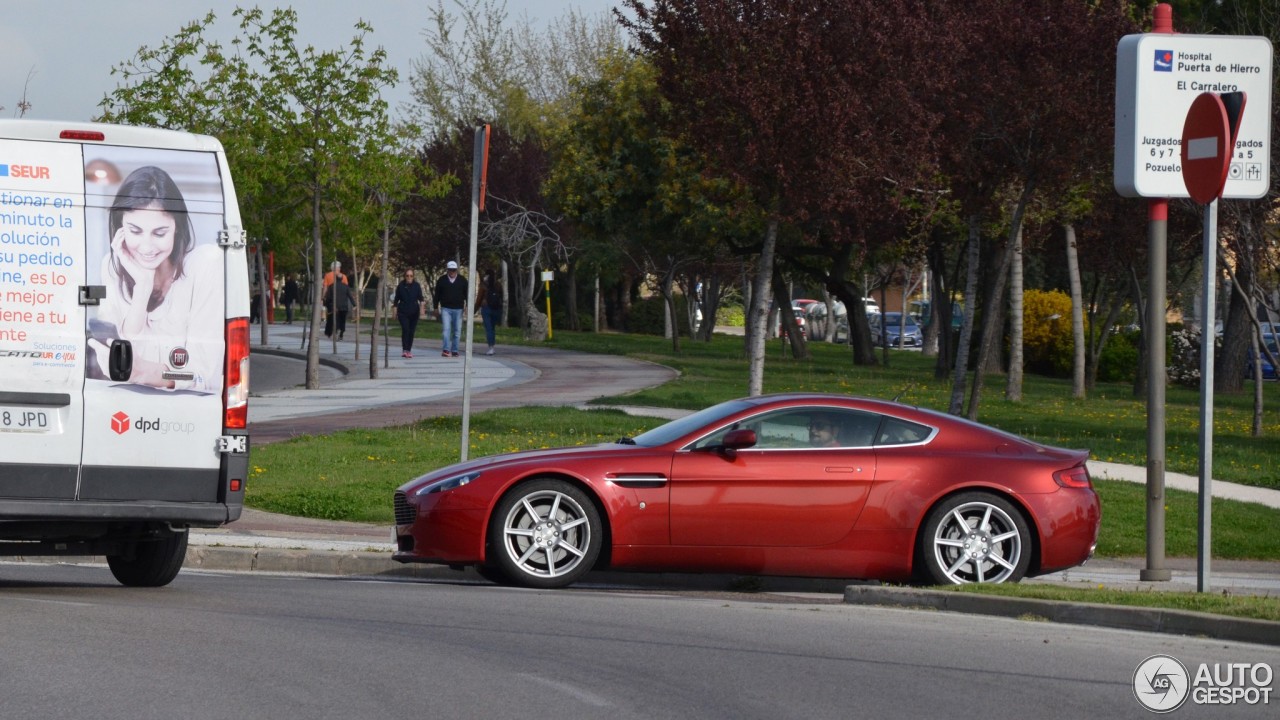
(781, 493)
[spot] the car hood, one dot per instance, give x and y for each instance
(540, 457)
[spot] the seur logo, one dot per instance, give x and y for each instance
(1164, 61)
(120, 423)
(36, 172)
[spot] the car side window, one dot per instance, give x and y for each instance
(894, 431)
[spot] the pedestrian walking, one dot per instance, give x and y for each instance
(339, 299)
(451, 296)
(410, 305)
(491, 308)
(288, 297)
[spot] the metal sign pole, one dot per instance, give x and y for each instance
(478, 177)
(1207, 335)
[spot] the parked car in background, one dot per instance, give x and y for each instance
(817, 327)
(893, 329)
(1268, 370)
(798, 313)
(802, 484)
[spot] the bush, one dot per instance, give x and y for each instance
(1119, 359)
(1184, 356)
(1046, 332)
(647, 316)
(731, 315)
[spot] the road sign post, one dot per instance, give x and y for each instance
(1158, 75)
(1208, 137)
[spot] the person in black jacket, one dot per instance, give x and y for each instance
(451, 296)
(409, 303)
(288, 297)
(490, 299)
(338, 300)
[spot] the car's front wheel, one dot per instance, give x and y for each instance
(975, 537)
(546, 534)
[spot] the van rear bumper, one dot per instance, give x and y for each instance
(52, 511)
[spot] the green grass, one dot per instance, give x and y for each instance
(1245, 606)
(351, 475)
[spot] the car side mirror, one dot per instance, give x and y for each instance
(739, 439)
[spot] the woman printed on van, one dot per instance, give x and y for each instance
(163, 291)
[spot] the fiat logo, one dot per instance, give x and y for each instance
(178, 357)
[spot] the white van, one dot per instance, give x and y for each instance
(124, 344)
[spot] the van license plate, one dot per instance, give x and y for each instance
(23, 419)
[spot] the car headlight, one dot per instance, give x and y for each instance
(448, 484)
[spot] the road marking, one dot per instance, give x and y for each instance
(579, 694)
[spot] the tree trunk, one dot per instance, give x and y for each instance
(759, 314)
(1228, 374)
(966, 325)
(990, 346)
(1077, 316)
(796, 339)
(1013, 385)
(380, 306)
(571, 302)
(1140, 377)
(669, 301)
(317, 291)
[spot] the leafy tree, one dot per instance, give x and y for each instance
(634, 191)
(784, 98)
(301, 126)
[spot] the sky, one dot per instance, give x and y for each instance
(62, 51)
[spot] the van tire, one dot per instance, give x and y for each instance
(152, 563)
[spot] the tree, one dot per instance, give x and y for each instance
(783, 97)
(634, 191)
(298, 124)
(1018, 123)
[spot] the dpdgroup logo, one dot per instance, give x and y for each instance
(120, 425)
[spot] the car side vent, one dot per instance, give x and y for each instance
(405, 512)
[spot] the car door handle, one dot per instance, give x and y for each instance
(843, 470)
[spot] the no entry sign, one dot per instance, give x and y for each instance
(1206, 148)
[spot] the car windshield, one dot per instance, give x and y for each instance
(676, 429)
(893, 320)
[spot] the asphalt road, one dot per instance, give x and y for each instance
(218, 645)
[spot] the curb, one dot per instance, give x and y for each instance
(1155, 620)
(340, 367)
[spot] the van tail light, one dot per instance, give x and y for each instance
(83, 135)
(1076, 477)
(236, 400)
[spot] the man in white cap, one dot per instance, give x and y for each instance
(451, 296)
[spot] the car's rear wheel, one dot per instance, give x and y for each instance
(975, 537)
(150, 563)
(545, 534)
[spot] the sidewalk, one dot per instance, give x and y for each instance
(429, 385)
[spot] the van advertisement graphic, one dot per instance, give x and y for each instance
(152, 224)
(41, 261)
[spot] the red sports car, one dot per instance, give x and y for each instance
(802, 485)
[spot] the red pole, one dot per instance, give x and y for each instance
(1157, 293)
(271, 284)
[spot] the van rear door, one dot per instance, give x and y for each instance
(42, 271)
(156, 436)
